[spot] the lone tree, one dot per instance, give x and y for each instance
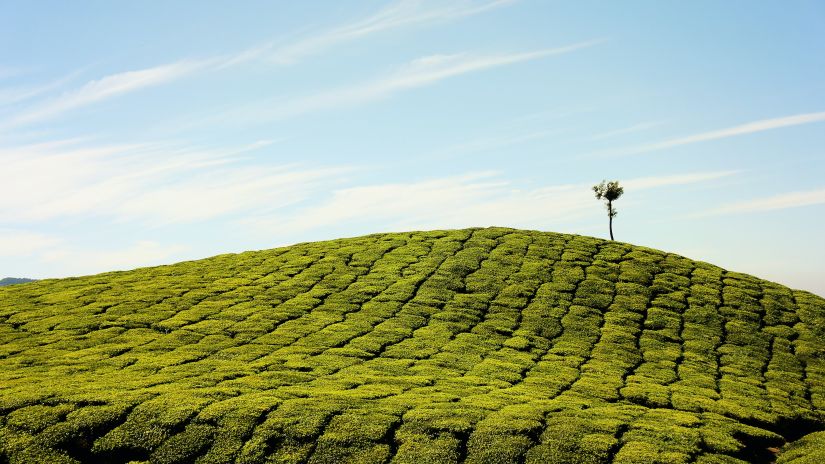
(609, 191)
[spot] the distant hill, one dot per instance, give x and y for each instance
(14, 280)
(480, 345)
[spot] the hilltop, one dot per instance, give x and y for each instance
(14, 281)
(478, 345)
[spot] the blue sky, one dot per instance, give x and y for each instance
(142, 133)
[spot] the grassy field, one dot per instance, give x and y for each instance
(481, 345)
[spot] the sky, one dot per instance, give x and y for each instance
(145, 133)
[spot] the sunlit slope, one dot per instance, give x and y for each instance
(480, 345)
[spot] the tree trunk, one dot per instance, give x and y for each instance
(610, 214)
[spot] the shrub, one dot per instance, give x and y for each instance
(478, 345)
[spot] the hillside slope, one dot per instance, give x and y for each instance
(480, 345)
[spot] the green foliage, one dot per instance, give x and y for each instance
(609, 192)
(810, 449)
(482, 345)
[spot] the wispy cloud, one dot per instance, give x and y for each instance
(417, 73)
(781, 201)
(458, 201)
(152, 183)
(219, 193)
(7, 71)
(12, 95)
(749, 128)
(400, 14)
(107, 87)
(23, 242)
(643, 126)
(744, 129)
(77, 261)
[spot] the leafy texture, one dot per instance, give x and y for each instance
(481, 345)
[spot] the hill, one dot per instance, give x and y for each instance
(479, 345)
(13, 281)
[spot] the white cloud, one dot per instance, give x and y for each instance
(417, 73)
(643, 126)
(76, 261)
(749, 128)
(47, 180)
(218, 193)
(151, 183)
(474, 199)
(24, 243)
(107, 87)
(430, 69)
(6, 72)
(782, 201)
(399, 14)
(12, 95)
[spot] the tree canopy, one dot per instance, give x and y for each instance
(609, 191)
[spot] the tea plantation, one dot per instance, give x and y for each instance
(481, 345)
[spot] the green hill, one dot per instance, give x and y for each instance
(481, 345)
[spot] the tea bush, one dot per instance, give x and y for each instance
(481, 345)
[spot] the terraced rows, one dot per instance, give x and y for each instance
(480, 345)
